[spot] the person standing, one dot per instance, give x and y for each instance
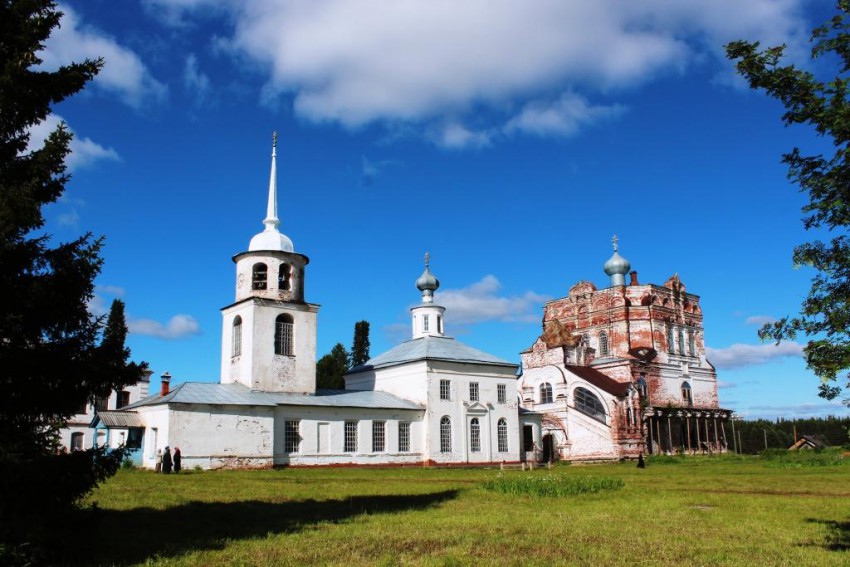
(177, 460)
(166, 460)
(158, 460)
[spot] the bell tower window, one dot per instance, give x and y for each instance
(284, 329)
(236, 345)
(283, 275)
(259, 276)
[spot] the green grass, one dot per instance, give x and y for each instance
(550, 485)
(693, 511)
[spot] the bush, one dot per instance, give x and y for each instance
(806, 458)
(551, 484)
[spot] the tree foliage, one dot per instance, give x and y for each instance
(824, 316)
(331, 368)
(54, 355)
(360, 346)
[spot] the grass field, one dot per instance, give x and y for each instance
(694, 511)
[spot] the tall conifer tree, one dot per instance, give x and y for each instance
(360, 346)
(52, 357)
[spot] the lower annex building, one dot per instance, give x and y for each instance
(611, 376)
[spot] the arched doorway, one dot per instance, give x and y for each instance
(549, 453)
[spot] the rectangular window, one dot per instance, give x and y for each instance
(101, 404)
(123, 399)
(403, 437)
(502, 393)
(350, 437)
(378, 436)
(473, 391)
(445, 390)
(424, 322)
(283, 338)
(291, 438)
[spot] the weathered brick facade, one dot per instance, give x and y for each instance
(639, 350)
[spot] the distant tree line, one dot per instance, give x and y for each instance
(780, 433)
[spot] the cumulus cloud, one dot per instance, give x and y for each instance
(759, 320)
(482, 301)
(84, 151)
(361, 61)
(562, 117)
(123, 72)
(740, 355)
(178, 327)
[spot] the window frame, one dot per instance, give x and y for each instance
(445, 390)
(350, 436)
(474, 435)
(291, 436)
(284, 335)
(445, 434)
(502, 435)
(259, 276)
(403, 436)
(589, 404)
(236, 338)
(379, 436)
(546, 393)
(502, 393)
(474, 392)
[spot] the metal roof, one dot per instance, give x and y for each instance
(431, 348)
(118, 418)
(239, 395)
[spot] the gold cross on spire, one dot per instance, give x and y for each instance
(614, 241)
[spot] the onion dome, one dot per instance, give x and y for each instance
(617, 267)
(427, 282)
(271, 239)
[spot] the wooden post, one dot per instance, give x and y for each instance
(699, 440)
(716, 438)
(669, 434)
(688, 424)
(734, 439)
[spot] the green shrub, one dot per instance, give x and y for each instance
(806, 458)
(550, 484)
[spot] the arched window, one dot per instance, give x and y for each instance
(687, 393)
(545, 393)
(283, 333)
(77, 441)
(671, 344)
(692, 349)
(445, 435)
(681, 341)
(502, 430)
(259, 276)
(589, 404)
(236, 339)
(474, 436)
(603, 343)
(283, 274)
(641, 385)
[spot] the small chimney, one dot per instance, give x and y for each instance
(166, 380)
(633, 275)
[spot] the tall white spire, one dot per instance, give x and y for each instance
(271, 239)
(271, 221)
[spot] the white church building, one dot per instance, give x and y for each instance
(610, 377)
(429, 400)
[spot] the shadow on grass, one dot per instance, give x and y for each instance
(124, 537)
(838, 534)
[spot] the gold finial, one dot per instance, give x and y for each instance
(614, 241)
(274, 139)
(427, 259)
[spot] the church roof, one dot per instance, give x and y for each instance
(430, 348)
(239, 395)
(599, 380)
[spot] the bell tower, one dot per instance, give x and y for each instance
(269, 333)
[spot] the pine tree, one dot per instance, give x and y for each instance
(52, 357)
(360, 346)
(331, 368)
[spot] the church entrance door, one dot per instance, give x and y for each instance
(548, 448)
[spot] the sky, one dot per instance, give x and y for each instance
(510, 139)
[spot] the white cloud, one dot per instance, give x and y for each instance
(759, 320)
(195, 81)
(562, 117)
(481, 302)
(370, 170)
(740, 355)
(84, 151)
(457, 136)
(123, 71)
(821, 409)
(178, 327)
(361, 61)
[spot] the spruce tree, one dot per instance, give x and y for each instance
(360, 346)
(54, 355)
(331, 368)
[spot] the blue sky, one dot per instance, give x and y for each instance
(509, 139)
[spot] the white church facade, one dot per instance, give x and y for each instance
(431, 400)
